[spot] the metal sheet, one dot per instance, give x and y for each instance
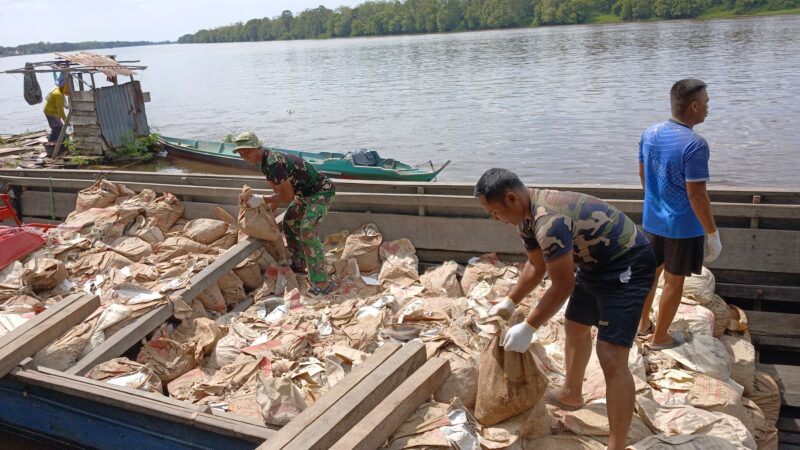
(120, 110)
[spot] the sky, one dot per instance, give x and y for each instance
(27, 21)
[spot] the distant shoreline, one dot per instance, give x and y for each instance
(51, 47)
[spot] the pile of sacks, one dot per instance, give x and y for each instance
(273, 359)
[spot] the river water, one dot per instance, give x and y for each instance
(556, 104)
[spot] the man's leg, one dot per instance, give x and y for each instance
(578, 350)
(644, 322)
(620, 391)
(667, 308)
(291, 228)
(316, 210)
(55, 125)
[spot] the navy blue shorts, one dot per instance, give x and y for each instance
(612, 297)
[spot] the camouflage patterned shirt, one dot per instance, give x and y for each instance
(305, 179)
(595, 232)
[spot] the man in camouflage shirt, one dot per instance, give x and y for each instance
(562, 232)
(309, 193)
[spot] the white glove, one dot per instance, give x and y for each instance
(713, 246)
(519, 337)
(504, 308)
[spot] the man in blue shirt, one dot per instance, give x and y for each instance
(677, 217)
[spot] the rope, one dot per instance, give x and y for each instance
(52, 199)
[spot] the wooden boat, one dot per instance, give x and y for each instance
(335, 165)
(759, 271)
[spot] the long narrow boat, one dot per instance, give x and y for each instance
(335, 165)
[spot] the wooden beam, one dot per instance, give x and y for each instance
(307, 417)
(759, 292)
(373, 430)
(771, 324)
(38, 332)
(776, 343)
(132, 333)
(142, 402)
(357, 403)
(788, 378)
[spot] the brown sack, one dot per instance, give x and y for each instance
(508, 383)
(743, 359)
(400, 263)
(99, 195)
(443, 280)
(169, 359)
(484, 268)
(280, 400)
(205, 231)
(132, 247)
(164, 211)
(176, 246)
(232, 288)
(212, 299)
(258, 221)
(124, 372)
(42, 274)
(249, 271)
(721, 314)
(767, 395)
(364, 245)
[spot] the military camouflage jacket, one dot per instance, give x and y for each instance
(594, 231)
(306, 181)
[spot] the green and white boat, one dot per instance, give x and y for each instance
(335, 165)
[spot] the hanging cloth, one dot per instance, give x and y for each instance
(32, 91)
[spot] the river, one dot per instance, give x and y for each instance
(556, 104)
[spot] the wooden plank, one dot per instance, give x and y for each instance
(84, 120)
(306, 418)
(82, 96)
(129, 335)
(776, 343)
(789, 424)
(759, 250)
(759, 292)
(44, 329)
(142, 402)
(373, 430)
(357, 403)
(44, 316)
(788, 380)
(82, 106)
(771, 324)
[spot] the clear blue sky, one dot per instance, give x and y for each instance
(26, 21)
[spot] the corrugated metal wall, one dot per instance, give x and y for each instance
(120, 110)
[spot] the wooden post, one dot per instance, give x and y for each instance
(421, 191)
(80, 81)
(754, 220)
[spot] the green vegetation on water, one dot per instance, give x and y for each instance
(431, 16)
(49, 47)
(141, 149)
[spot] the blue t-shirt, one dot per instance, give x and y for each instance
(672, 155)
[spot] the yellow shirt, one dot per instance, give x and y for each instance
(54, 106)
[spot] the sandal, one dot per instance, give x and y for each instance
(551, 399)
(315, 291)
(678, 339)
(650, 329)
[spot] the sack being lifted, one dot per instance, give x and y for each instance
(509, 383)
(255, 218)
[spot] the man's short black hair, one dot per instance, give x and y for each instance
(494, 183)
(683, 93)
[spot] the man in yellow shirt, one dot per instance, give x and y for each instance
(54, 109)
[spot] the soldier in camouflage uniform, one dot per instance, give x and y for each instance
(562, 232)
(310, 194)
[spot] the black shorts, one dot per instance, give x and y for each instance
(612, 297)
(679, 256)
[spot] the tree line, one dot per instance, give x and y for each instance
(50, 47)
(378, 18)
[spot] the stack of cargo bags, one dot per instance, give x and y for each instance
(273, 359)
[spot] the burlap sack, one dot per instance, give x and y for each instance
(224, 216)
(131, 247)
(65, 351)
(280, 400)
(743, 359)
(250, 272)
(169, 359)
(767, 395)
(462, 382)
(738, 319)
(205, 231)
(592, 420)
(484, 268)
(227, 240)
(509, 383)
(531, 424)
(232, 288)
(199, 333)
(681, 442)
(176, 246)
(212, 299)
(98, 262)
(164, 211)
(700, 287)
(364, 245)
(146, 230)
(101, 194)
(717, 396)
(565, 441)
(256, 220)
(400, 266)
(443, 280)
(42, 274)
(721, 312)
(124, 372)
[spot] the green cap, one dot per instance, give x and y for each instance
(248, 139)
